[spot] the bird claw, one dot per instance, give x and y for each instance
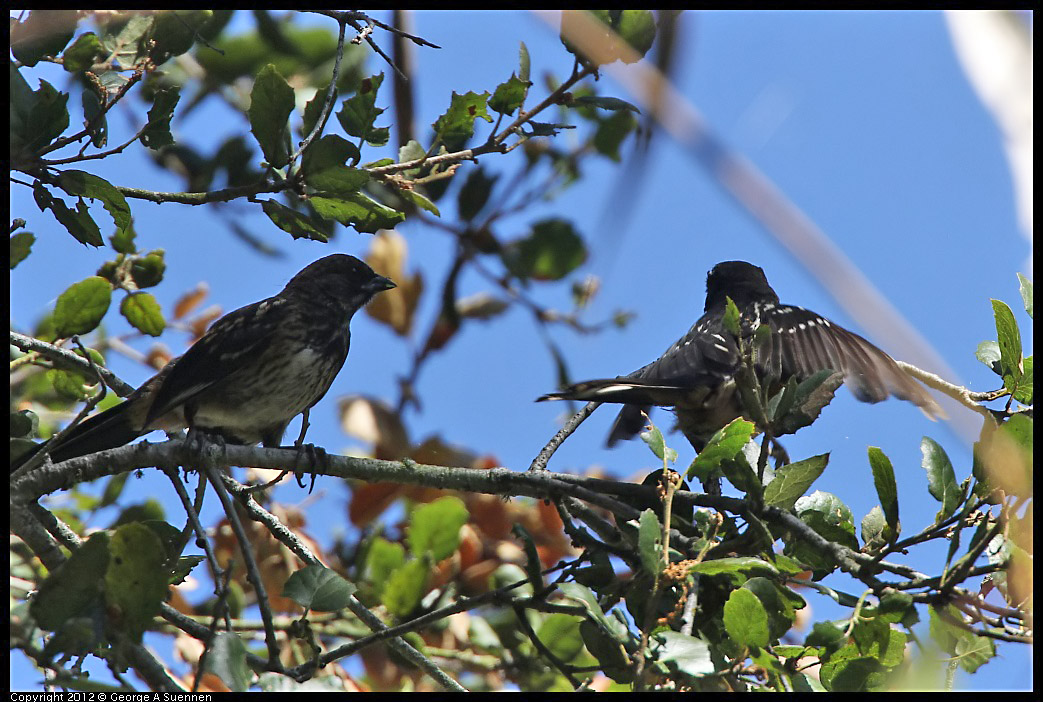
(316, 454)
(197, 441)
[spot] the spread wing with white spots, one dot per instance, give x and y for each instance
(805, 343)
(696, 375)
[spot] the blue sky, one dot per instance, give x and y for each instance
(864, 120)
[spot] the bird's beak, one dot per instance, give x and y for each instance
(380, 284)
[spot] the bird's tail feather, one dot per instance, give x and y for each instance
(105, 430)
(622, 390)
(629, 422)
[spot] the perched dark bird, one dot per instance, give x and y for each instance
(696, 375)
(252, 372)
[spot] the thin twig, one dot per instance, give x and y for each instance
(327, 105)
(67, 359)
(253, 573)
(544, 456)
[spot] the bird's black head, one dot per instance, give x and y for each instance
(342, 278)
(742, 282)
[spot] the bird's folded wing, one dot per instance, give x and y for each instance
(237, 337)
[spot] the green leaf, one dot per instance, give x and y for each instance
(357, 210)
(655, 441)
(21, 101)
(113, 489)
(313, 110)
(523, 62)
(1010, 344)
(75, 587)
(636, 27)
(847, 671)
(184, 566)
(745, 619)
(126, 43)
(941, 478)
(831, 519)
(739, 569)
(94, 118)
(886, 487)
(147, 271)
(792, 481)
(143, 313)
(608, 650)
(82, 54)
(825, 635)
(73, 385)
(989, 353)
(874, 637)
(435, 527)
(44, 33)
(37, 118)
(649, 542)
(176, 32)
(559, 632)
(157, 131)
(122, 241)
(896, 608)
(457, 124)
(945, 633)
(83, 184)
(811, 396)
(135, 580)
(875, 532)
(474, 193)
(509, 95)
(271, 102)
(405, 587)
(81, 307)
(299, 226)
(359, 112)
(598, 574)
(411, 151)
(533, 565)
(684, 654)
(780, 603)
(586, 597)
(1025, 288)
(731, 317)
(420, 200)
(21, 245)
(544, 129)
(1024, 393)
(550, 252)
(974, 651)
(611, 132)
(24, 424)
(330, 151)
(1003, 456)
(319, 589)
(382, 559)
(1018, 430)
(725, 445)
(78, 223)
(339, 180)
(227, 660)
(603, 103)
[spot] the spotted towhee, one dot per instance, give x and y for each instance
(697, 375)
(252, 372)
